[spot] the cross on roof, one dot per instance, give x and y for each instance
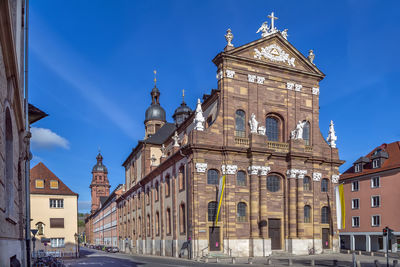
(272, 17)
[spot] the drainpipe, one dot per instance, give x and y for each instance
(27, 142)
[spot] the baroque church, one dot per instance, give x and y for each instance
(260, 131)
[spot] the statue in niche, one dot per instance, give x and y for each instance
(253, 123)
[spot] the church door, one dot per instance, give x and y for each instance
(325, 238)
(274, 232)
(214, 239)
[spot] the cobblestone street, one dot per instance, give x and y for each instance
(91, 257)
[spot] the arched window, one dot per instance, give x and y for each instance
(148, 225)
(272, 128)
(240, 123)
(40, 228)
(324, 185)
(325, 215)
(273, 183)
(212, 211)
(139, 229)
(181, 177)
(307, 183)
(167, 186)
(241, 178)
(241, 212)
(168, 221)
(182, 219)
(133, 228)
(212, 176)
(157, 191)
(307, 214)
(306, 133)
(9, 162)
(157, 223)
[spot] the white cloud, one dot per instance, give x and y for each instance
(45, 138)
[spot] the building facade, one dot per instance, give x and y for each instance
(259, 129)
(104, 220)
(54, 211)
(371, 199)
(14, 137)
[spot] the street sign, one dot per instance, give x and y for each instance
(45, 240)
(34, 231)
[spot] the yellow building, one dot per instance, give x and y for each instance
(54, 211)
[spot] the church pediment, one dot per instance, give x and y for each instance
(275, 49)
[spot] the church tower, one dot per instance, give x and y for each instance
(155, 114)
(100, 186)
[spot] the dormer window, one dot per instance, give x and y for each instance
(39, 183)
(375, 163)
(54, 184)
(357, 167)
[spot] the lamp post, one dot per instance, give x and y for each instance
(76, 244)
(34, 232)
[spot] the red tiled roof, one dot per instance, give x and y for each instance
(40, 171)
(393, 149)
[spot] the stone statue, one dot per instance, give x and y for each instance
(199, 119)
(229, 37)
(176, 139)
(264, 29)
(298, 132)
(163, 151)
(331, 139)
(284, 33)
(311, 56)
(253, 123)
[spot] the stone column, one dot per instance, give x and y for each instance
(263, 205)
(174, 215)
(368, 243)
(254, 210)
(292, 206)
(352, 243)
(162, 214)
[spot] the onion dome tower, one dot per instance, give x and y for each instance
(100, 186)
(155, 114)
(182, 112)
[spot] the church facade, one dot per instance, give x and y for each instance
(260, 131)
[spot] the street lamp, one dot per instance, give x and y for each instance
(34, 232)
(76, 244)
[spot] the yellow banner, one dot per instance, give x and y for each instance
(342, 206)
(221, 188)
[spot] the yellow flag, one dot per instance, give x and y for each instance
(342, 206)
(221, 188)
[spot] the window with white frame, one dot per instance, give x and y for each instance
(355, 186)
(57, 242)
(355, 203)
(355, 221)
(375, 182)
(375, 163)
(375, 201)
(56, 203)
(357, 167)
(376, 220)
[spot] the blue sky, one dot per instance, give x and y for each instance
(91, 69)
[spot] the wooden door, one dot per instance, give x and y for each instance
(325, 238)
(274, 232)
(214, 239)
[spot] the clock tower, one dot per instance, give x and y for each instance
(100, 186)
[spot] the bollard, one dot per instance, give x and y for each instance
(312, 262)
(359, 253)
(358, 264)
(233, 260)
(395, 263)
(269, 261)
(290, 262)
(376, 262)
(348, 251)
(217, 260)
(335, 262)
(206, 260)
(372, 253)
(250, 260)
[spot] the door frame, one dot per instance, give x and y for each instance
(220, 238)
